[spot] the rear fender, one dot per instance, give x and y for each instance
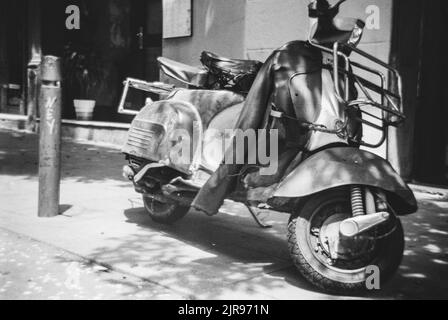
(343, 166)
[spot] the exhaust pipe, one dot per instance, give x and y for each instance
(354, 226)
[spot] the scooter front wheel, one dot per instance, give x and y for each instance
(336, 264)
(161, 212)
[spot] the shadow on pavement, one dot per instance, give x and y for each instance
(423, 273)
(80, 162)
(237, 255)
(209, 256)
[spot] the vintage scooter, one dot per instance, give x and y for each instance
(344, 202)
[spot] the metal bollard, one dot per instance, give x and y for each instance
(50, 137)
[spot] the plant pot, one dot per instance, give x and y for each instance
(84, 109)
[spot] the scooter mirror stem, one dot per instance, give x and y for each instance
(322, 4)
(321, 8)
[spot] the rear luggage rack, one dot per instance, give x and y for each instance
(388, 101)
(159, 88)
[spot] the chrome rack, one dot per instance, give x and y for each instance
(159, 88)
(390, 102)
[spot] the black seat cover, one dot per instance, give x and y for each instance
(271, 85)
(231, 74)
(211, 60)
(217, 73)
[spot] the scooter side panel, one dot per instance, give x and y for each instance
(168, 132)
(344, 166)
(209, 103)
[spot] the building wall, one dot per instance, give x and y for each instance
(253, 28)
(271, 23)
(218, 26)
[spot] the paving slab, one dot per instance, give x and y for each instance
(222, 257)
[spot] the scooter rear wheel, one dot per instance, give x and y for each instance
(165, 213)
(346, 274)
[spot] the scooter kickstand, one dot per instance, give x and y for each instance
(255, 215)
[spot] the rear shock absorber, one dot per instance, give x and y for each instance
(356, 199)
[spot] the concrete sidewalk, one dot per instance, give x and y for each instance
(34, 270)
(221, 257)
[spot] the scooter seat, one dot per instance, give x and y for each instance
(232, 74)
(236, 66)
(184, 73)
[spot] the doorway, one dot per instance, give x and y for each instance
(430, 157)
(125, 37)
(419, 38)
(145, 48)
(12, 56)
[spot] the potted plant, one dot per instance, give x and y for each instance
(84, 74)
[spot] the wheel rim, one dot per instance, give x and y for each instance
(155, 206)
(340, 255)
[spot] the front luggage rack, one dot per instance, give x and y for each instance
(388, 101)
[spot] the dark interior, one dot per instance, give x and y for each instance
(419, 39)
(109, 29)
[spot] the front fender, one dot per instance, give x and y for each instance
(344, 166)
